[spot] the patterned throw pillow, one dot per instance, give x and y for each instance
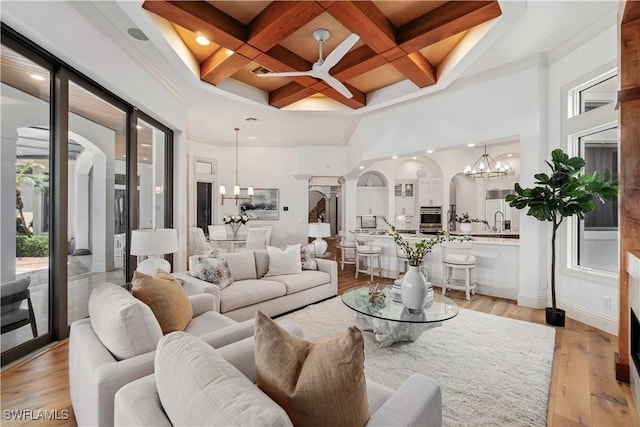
(212, 269)
(308, 257)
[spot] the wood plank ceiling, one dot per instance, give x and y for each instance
(399, 40)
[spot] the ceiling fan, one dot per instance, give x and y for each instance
(320, 69)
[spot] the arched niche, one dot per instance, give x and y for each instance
(372, 179)
(419, 168)
(371, 194)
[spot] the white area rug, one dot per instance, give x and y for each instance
(493, 371)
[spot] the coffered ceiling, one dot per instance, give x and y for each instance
(399, 41)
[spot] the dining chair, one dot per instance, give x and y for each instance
(200, 244)
(217, 235)
(256, 238)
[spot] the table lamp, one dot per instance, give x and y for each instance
(154, 244)
(319, 230)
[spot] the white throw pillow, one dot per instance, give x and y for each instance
(126, 326)
(198, 387)
(212, 269)
(285, 261)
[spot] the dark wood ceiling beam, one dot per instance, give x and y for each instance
(326, 4)
(447, 20)
(288, 94)
(279, 20)
(356, 62)
(221, 65)
(201, 17)
(365, 19)
(416, 68)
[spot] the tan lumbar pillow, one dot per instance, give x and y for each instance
(319, 383)
(166, 298)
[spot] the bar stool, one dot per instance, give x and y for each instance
(455, 255)
(367, 252)
(347, 250)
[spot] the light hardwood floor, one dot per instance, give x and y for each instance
(583, 391)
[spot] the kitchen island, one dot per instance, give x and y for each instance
(497, 263)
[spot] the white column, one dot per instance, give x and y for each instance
(158, 179)
(350, 184)
(101, 242)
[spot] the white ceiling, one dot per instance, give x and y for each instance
(526, 29)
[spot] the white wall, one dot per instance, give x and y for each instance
(581, 294)
(263, 167)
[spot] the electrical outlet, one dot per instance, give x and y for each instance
(606, 302)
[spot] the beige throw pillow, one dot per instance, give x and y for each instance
(285, 261)
(317, 384)
(166, 298)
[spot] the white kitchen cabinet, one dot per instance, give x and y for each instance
(405, 188)
(371, 201)
(430, 192)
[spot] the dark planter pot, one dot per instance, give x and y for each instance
(554, 317)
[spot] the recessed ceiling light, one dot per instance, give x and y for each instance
(252, 137)
(414, 157)
(394, 157)
(471, 145)
(509, 155)
(37, 77)
(361, 167)
(202, 40)
(429, 151)
(145, 158)
(146, 145)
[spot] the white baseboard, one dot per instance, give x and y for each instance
(596, 320)
(532, 301)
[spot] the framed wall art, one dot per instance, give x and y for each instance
(263, 206)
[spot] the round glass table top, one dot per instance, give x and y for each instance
(357, 299)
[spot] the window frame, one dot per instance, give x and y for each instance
(573, 127)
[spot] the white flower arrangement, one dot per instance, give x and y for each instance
(235, 219)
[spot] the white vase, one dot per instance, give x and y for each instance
(465, 227)
(414, 290)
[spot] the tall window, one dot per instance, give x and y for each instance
(593, 134)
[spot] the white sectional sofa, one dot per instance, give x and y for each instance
(251, 290)
(417, 402)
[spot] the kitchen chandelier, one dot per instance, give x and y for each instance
(236, 188)
(486, 167)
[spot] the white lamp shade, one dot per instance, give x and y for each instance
(319, 229)
(154, 242)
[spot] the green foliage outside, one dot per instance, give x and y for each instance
(562, 194)
(32, 246)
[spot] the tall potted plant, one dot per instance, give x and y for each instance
(564, 193)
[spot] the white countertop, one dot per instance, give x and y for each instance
(475, 239)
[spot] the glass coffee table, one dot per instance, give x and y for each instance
(391, 321)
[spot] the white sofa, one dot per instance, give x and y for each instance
(417, 402)
(124, 325)
(273, 295)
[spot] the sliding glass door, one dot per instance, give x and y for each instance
(25, 204)
(81, 168)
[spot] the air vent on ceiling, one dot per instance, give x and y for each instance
(251, 119)
(261, 70)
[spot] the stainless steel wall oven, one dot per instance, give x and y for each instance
(430, 218)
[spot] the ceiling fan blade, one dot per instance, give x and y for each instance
(337, 85)
(285, 74)
(336, 55)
